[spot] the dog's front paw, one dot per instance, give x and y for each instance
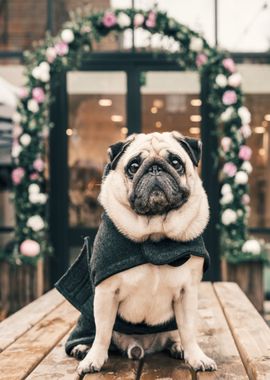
(93, 362)
(200, 362)
(79, 352)
(176, 350)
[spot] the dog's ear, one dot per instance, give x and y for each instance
(115, 151)
(193, 148)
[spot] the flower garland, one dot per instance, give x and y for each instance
(32, 124)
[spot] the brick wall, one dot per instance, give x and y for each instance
(23, 22)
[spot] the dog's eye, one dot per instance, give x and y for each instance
(133, 167)
(177, 164)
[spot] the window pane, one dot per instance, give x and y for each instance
(170, 102)
(256, 86)
(97, 118)
(244, 25)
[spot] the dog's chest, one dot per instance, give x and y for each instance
(147, 292)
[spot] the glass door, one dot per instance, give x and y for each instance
(170, 101)
(96, 119)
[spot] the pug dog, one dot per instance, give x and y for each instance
(152, 192)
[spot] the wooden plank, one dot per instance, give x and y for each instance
(21, 357)
(56, 365)
(116, 368)
(161, 366)
(250, 332)
(21, 321)
(215, 338)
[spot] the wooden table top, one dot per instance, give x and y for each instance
(230, 331)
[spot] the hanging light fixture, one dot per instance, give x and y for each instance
(105, 102)
(195, 118)
(117, 118)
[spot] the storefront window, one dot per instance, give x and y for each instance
(97, 118)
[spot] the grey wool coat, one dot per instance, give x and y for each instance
(112, 253)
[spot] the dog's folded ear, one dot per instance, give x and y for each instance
(115, 151)
(193, 148)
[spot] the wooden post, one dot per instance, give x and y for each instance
(20, 285)
(249, 276)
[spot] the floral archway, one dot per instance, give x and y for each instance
(32, 124)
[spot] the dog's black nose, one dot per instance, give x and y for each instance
(155, 169)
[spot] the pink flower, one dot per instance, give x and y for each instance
(201, 59)
(229, 97)
(17, 131)
(245, 153)
(17, 175)
(245, 199)
(246, 131)
(61, 48)
(151, 20)
(23, 92)
(230, 169)
(226, 143)
(38, 94)
(229, 64)
(51, 54)
(30, 248)
(138, 19)
(109, 19)
(33, 176)
(38, 164)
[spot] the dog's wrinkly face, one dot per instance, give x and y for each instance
(156, 171)
(157, 187)
(151, 187)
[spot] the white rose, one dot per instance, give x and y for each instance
(32, 106)
(36, 72)
(33, 189)
(196, 44)
(45, 76)
(226, 188)
(221, 80)
(44, 66)
(42, 198)
(123, 20)
(25, 139)
(240, 213)
(37, 198)
(235, 80)
(252, 246)
(138, 19)
(241, 178)
(16, 151)
(244, 114)
(228, 217)
(42, 72)
(227, 114)
(67, 36)
(16, 118)
(36, 223)
(247, 167)
(227, 198)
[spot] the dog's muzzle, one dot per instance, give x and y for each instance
(157, 189)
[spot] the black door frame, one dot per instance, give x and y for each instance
(133, 64)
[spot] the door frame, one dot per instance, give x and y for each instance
(133, 64)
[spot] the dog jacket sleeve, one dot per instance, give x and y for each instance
(112, 253)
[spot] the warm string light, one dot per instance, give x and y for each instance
(105, 102)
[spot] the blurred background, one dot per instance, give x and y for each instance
(121, 91)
